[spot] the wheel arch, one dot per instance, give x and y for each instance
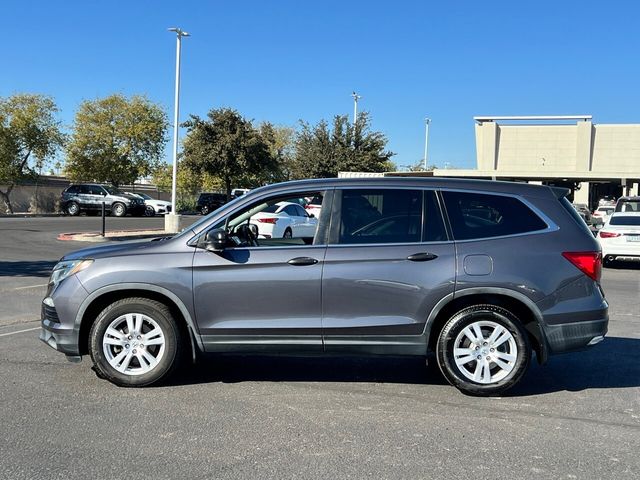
(521, 306)
(101, 298)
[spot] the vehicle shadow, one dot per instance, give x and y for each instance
(40, 268)
(615, 363)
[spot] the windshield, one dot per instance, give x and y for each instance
(112, 190)
(144, 195)
(630, 220)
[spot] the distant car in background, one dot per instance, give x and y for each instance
(238, 192)
(628, 204)
(620, 237)
(601, 215)
(89, 198)
(284, 220)
(584, 212)
(606, 200)
(154, 206)
(208, 202)
(314, 205)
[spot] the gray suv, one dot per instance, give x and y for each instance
(88, 197)
(478, 274)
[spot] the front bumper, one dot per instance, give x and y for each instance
(58, 316)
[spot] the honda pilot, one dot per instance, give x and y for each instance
(480, 275)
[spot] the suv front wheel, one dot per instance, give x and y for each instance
(483, 350)
(135, 342)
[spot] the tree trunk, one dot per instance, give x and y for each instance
(227, 184)
(6, 199)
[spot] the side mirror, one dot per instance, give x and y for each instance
(311, 215)
(216, 240)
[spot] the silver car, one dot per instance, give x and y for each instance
(477, 274)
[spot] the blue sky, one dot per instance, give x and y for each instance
(283, 61)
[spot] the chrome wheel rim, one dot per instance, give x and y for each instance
(133, 344)
(73, 209)
(118, 209)
(485, 352)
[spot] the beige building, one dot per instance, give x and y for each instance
(593, 160)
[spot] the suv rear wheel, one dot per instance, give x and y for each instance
(135, 342)
(483, 350)
(73, 209)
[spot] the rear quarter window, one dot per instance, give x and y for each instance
(479, 215)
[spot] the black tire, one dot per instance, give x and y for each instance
(118, 209)
(72, 209)
(169, 357)
(452, 336)
(287, 233)
(150, 211)
(204, 210)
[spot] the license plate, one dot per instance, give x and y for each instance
(633, 238)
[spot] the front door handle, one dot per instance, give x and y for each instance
(302, 261)
(422, 257)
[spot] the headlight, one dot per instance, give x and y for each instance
(67, 268)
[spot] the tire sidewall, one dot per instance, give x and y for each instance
(71, 212)
(115, 207)
(456, 324)
(162, 318)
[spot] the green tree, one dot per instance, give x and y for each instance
(227, 146)
(188, 182)
(281, 143)
(116, 140)
(322, 151)
(30, 136)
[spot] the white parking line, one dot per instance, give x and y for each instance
(30, 286)
(19, 331)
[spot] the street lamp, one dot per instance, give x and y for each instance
(356, 97)
(172, 221)
(427, 121)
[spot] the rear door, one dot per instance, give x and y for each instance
(388, 263)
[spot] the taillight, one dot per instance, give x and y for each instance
(608, 234)
(267, 220)
(308, 206)
(589, 263)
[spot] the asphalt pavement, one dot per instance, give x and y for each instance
(257, 417)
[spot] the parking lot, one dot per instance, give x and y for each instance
(314, 417)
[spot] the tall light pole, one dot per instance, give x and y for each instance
(427, 121)
(172, 221)
(356, 97)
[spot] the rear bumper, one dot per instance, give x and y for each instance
(568, 337)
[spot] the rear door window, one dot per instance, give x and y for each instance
(479, 215)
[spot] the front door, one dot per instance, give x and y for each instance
(260, 295)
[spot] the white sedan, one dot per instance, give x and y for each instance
(620, 237)
(155, 207)
(285, 220)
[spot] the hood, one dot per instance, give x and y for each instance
(114, 250)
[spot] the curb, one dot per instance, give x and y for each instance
(117, 235)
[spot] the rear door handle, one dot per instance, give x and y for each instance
(422, 257)
(302, 261)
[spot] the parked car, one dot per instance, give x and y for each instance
(238, 192)
(154, 206)
(313, 205)
(284, 220)
(583, 211)
(620, 237)
(606, 200)
(601, 215)
(208, 202)
(628, 204)
(457, 269)
(88, 198)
